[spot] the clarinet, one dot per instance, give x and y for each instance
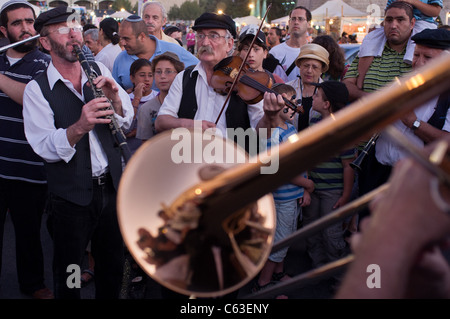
(356, 164)
(116, 131)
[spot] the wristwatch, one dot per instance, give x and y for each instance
(416, 124)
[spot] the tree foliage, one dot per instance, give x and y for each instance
(125, 4)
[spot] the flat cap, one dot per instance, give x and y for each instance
(433, 38)
(209, 20)
(53, 16)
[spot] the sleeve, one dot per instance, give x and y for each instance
(255, 113)
(46, 140)
(127, 108)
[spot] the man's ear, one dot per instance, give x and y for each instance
(3, 30)
(45, 42)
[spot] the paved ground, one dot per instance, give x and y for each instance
(297, 263)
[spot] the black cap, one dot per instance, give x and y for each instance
(336, 92)
(250, 31)
(171, 29)
(53, 16)
(209, 20)
(433, 38)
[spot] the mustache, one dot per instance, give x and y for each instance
(205, 49)
(150, 25)
(25, 33)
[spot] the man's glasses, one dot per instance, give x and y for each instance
(299, 19)
(66, 30)
(211, 36)
(166, 72)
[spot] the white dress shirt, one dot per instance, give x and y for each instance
(388, 152)
(51, 143)
(209, 102)
(108, 55)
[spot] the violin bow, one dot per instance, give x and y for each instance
(242, 64)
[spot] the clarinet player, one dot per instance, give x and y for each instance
(82, 160)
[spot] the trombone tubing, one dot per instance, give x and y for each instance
(12, 45)
(244, 184)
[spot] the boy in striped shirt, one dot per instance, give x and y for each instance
(333, 183)
(289, 198)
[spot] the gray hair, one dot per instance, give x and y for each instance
(230, 36)
(93, 33)
(156, 3)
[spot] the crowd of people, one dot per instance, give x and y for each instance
(58, 156)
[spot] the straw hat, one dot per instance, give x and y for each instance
(316, 52)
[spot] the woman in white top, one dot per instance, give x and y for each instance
(109, 38)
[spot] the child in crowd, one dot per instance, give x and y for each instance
(165, 68)
(333, 183)
(258, 53)
(289, 198)
(425, 12)
(141, 76)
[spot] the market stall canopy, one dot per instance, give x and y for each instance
(247, 20)
(336, 8)
(120, 14)
(281, 21)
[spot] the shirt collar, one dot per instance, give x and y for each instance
(53, 76)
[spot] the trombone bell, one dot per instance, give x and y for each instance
(167, 241)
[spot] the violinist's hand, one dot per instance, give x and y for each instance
(273, 104)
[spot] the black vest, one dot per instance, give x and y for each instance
(236, 114)
(72, 181)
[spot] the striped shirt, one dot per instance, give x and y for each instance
(287, 191)
(18, 161)
(330, 174)
(383, 70)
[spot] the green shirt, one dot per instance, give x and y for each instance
(383, 69)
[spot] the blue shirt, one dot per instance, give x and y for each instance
(287, 191)
(18, 161)
(418, 14)
(121, 68)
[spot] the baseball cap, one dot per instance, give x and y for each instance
(250, 31)
(335, 91)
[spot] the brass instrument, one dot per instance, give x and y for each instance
(356, 164)
(12, 45)
(209, 236)
(114, 127)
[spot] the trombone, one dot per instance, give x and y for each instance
(12, 45)
(229, 217)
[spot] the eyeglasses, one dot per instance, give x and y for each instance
(66, 30)
(299, 19)
(166, 72)
(211, 36)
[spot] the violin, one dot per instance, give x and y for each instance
(250, 86)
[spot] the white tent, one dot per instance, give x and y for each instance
(120, 14)
(247, 20)
(281, 21)
(336, 8)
